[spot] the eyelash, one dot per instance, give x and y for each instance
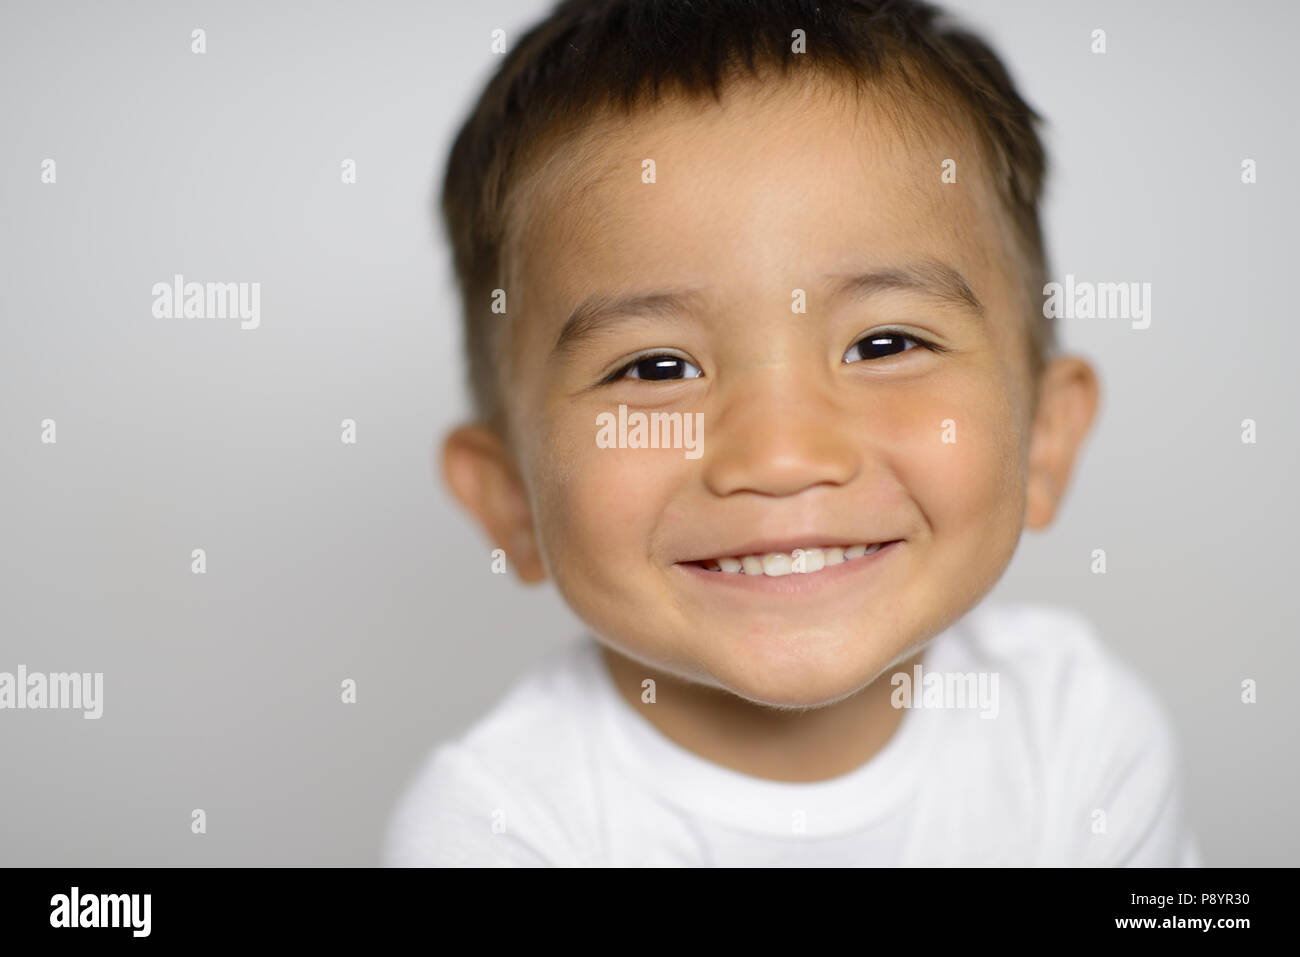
(893, 334)
(637, 360)
(621, 372)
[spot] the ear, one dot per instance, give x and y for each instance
(478, 468)
(1067, 401)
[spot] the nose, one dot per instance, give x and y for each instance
(768, 441)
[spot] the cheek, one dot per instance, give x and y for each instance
(960, 459)
(597, 508)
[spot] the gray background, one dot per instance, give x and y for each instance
(328, 561)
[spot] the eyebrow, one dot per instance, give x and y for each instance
(598, 309)
(927, 277)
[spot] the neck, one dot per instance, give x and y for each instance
(806, 745)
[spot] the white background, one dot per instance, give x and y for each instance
(328, 561)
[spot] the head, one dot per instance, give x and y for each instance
(824, 247)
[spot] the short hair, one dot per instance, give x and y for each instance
(589, 55)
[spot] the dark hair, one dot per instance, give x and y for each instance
(589, 55)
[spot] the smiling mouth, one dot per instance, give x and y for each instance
(799, 561)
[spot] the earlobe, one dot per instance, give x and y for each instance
(478, 469)
(1067, 402)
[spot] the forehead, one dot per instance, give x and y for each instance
(754, 195)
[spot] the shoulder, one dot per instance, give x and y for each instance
(1109, 756)
(509, 789)
(1030, 636)
(1059, 669)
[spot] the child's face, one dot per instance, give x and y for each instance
(931, 451)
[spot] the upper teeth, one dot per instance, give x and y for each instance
(798, 561)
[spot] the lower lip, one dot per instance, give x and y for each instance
(796, 583)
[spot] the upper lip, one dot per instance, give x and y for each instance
(761, 546)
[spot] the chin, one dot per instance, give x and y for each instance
(799, 677)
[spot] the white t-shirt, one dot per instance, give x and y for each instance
(1079, 767)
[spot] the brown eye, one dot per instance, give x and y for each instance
(880, 345)
(658, 368)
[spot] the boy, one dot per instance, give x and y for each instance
(810, 231)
